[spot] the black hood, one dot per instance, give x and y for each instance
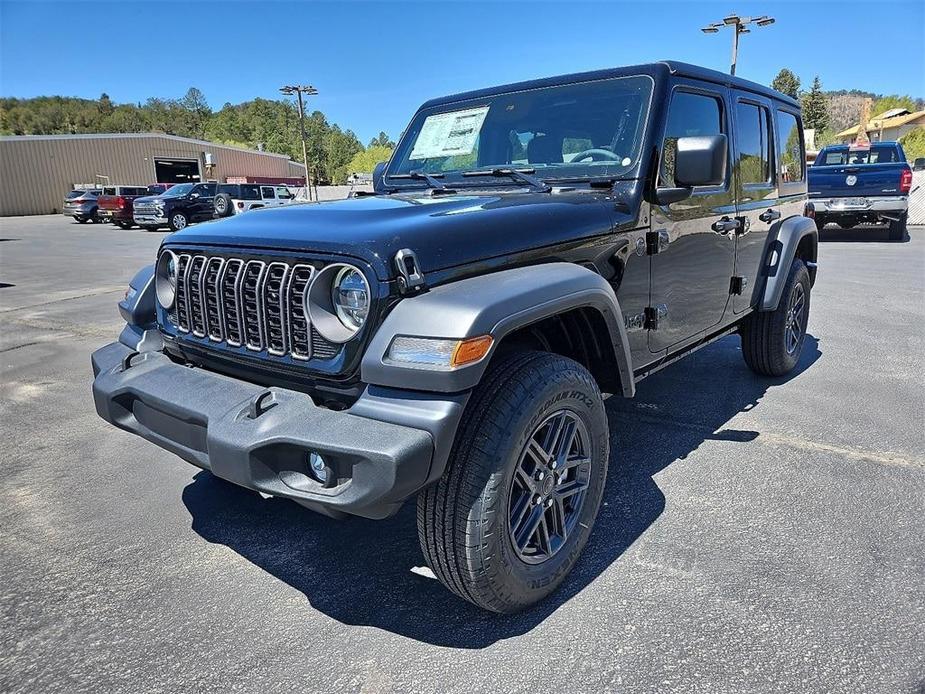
(444, 231)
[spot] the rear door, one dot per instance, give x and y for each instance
(756, 191)
(268, 195)
(690, 273)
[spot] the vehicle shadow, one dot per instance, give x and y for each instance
(360, 572)
(859, 234)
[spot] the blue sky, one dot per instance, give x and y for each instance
(375, 62)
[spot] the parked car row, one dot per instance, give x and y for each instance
(167, 205)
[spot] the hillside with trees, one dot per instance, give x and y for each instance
(272, 125)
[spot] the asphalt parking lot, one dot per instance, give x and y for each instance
(757, 535)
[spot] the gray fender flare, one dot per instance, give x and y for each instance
(780, 255)
(140, 314)
(495, 304)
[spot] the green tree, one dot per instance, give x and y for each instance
(382, 140)
(198, 111)
(339, 148)
(787, 83)
(366, 160)
(914, 144)
(887, 103)
(815, 107)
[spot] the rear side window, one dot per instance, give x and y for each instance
(754, 144)
(689, 115)
(790, 156)
(250, 192)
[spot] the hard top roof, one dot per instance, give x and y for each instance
(660, 69)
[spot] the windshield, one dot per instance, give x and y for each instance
(584, 130)
(178, 191)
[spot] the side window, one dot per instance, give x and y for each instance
(109, 191)
(754, 147)
(283, 194)
(688, 115)
(203, 190)
(790, 157)
(267, 193)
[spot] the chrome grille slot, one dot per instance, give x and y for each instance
(274, 307)
(299, 336)
(194, 296)
(180, 300)
(230, 280)
(210, 292)
(252, 305)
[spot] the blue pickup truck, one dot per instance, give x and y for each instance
(861, 186)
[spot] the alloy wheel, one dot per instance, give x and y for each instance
(795, 326)
(549, 486)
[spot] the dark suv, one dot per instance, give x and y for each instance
(177, 207)
(449, 337)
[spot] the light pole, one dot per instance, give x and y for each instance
(299, 90)
(739, 26)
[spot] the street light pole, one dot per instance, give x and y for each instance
(298, 90)
(739, 26)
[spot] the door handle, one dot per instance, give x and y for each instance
(769, 215)
(725, 225)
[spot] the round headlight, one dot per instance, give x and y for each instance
(350, 297)
(337, 302)
(165, 279)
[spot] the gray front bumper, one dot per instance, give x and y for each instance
(210, 420)
(149, 219)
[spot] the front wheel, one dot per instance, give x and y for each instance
(178, 221)
(772, 341)
(505, 524)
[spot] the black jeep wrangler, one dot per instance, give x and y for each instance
(449, 336)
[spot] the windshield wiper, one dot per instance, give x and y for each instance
(429, 179)
(522, 175)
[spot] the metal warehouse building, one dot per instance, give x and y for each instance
(37, 171)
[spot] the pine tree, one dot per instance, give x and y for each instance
(815, 107)
(787, 83)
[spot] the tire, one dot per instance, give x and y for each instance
(178, 220)
(848, 225)
(771, 341)
(123, 225)
(898, 228)
(464, 519)
(820, 222)
(223, 205)
(82, 220)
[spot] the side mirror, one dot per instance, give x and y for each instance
(193, 196)
(701, 161)
(379, 177)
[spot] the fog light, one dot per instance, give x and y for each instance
(319, 467)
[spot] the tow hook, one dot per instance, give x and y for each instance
(410, 277)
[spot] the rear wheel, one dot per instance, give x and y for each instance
(505, 524)
(82, 220)
(898, 228)
(772, 341)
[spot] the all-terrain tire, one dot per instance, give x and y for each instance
(898, 228)
(464, 519)
(222, 205)
(767, 345)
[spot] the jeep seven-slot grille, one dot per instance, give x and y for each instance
(251, 303)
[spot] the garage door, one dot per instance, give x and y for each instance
(176, 170)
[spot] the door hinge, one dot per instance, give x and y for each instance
(652, 316)
(657, 241)
(738, 284)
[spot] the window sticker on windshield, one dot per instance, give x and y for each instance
(449, 134)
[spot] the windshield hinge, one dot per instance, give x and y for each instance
(410, 277)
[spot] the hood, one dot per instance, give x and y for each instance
(444, 231)
(150, 198)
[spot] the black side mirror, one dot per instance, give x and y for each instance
(698, 161)
(379, 177)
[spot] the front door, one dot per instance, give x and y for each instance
(756, 192)
(692, 269)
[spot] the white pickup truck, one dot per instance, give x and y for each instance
(235, 198)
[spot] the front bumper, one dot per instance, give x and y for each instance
(261, 438)
(892, 206)
(149, 220)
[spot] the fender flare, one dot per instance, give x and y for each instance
(139, 310)
(495, 304)
(780, 254)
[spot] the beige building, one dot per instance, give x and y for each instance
(889, 126)
(37, 171)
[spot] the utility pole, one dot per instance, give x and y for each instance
(739, 25)
(299, 90)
